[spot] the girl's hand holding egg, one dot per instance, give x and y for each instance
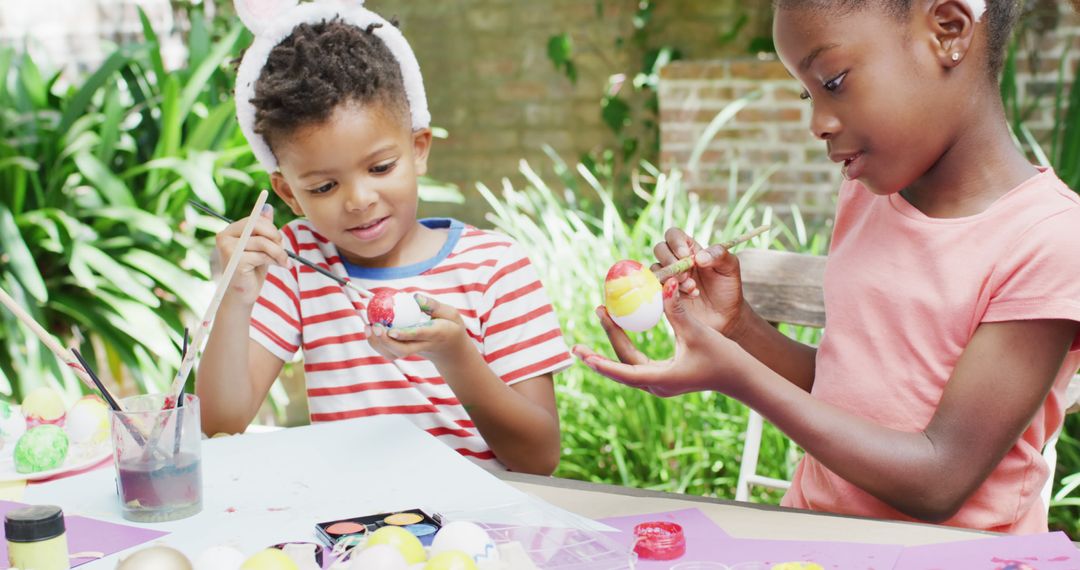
(633, 294)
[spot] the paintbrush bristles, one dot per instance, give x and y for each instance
(687, 263)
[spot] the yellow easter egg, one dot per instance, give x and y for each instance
(269, 559)
(797, 566)
(451, 560)
(43, 405)
(404, 541)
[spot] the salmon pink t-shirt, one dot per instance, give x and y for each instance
(904, 294)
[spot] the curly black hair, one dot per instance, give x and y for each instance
(1001, 16)
(319, 67)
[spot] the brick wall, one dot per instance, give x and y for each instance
(771, 129)
(491, 85)
(775, 127)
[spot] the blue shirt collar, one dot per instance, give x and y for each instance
(386, 273)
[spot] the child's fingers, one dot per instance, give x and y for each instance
(620, 343)
(641, 376)
(265, 227)
(719, 259)
(272, 249)
(680, 244)
(676, 245)
(253, 261)
(426, 331)
(258, 252)
(436, 309)
(387, 347)
(685, 325)
(664, 254)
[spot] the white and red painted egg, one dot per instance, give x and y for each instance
(632, 295)
(395, 310)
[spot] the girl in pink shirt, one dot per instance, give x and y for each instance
(951, 289)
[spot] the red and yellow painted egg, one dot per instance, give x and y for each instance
(632, 295)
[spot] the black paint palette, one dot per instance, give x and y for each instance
(352, 531)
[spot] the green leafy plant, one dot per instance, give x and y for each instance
(628, 105)
(98, 244)
(96, 239)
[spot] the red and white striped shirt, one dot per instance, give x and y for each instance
(484, 275)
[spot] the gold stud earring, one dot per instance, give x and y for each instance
(956, 56)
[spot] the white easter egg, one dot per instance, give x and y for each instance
(407, 312)
(12, 425)
(644, 318)
(380, 557)
(468, 538)
(88, 421)
(220, 558)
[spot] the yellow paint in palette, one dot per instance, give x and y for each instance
(403, 519)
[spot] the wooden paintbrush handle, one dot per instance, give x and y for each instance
(208, 317)
(47, 339)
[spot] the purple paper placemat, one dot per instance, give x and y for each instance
(1047, 551)
(706, 541)
(90, 535)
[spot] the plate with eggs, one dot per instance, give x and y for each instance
(43, 438)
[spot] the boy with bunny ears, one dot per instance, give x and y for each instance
(331, 99)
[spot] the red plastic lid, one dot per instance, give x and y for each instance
(659, 540)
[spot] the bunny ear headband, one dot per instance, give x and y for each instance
(978, 8)
(273, 20)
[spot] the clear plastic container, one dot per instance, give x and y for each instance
(158, 456)
(549, 539)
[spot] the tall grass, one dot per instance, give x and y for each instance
(611, 433)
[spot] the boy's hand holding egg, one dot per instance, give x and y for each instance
(404, 324)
